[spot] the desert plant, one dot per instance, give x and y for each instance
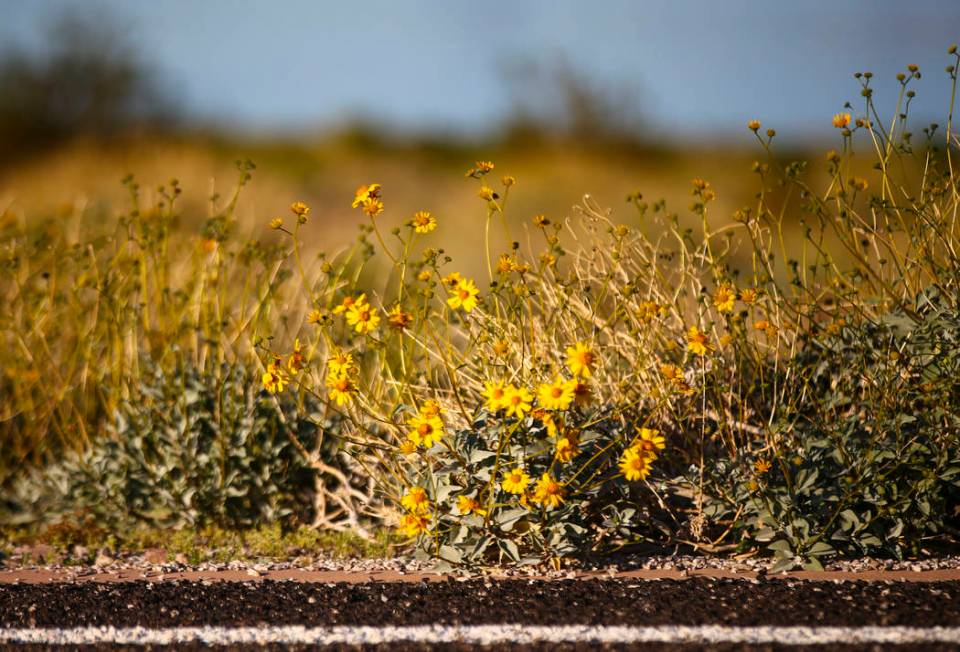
(620, 341)
(199, 448)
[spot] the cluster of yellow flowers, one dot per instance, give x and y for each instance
(558, 395)
(416, 520)
(724, 300)
(548, 492)
(547, 402)
(341, 380)
(638, 458)
(368, 199)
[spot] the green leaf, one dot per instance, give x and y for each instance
(780, 545)
(509, 547)
(450, 554)
(820, 549)
(479, 455)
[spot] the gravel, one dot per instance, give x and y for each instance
(149, 562)
(486, 635)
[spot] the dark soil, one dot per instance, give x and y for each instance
(608, 602)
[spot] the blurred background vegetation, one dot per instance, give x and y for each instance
(90, 93)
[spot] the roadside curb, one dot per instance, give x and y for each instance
(48, 576)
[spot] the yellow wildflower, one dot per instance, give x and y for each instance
(430, 408)
(515, 481)
(697, 342)
(841, 120)
(516, 402)
(452, 279)
(468, 505)
(494, 393)
(724, 298)
(361, 316)
(483, 167)
(486, 193)
(464, 296)
(416, 500)
(557, 395)
(425, 431)
(296, 361)
(649, 440)
(347, 303)
(398, 318)
(423, 222)
(753, 125)
(763, 325)
(340, 388)
(580, 359)
(505, 264)
(567, 448)
(540, 221)
(407, 447)
(341, 363)
(671, 372)
(749, 295)
(761, 466)
(414, 524)
(647, 311)
(276, 223)
(373, 207)
(275, 378)
(315, 317)
(674, 375)
(365, 194)
(548, 493)
(635, 464)
(300, 209)
(552, 423)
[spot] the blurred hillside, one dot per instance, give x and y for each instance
(77, 117)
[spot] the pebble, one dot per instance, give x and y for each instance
(149, 562)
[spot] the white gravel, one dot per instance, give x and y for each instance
(139, 562)
(483, 635)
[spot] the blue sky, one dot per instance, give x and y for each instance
(698, 67)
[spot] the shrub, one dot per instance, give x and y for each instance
(197, 448)
(799, 386)
(869, 462)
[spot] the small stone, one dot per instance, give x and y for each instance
(103, 559)
(155, 555)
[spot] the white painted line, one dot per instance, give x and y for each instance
(482, 635)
